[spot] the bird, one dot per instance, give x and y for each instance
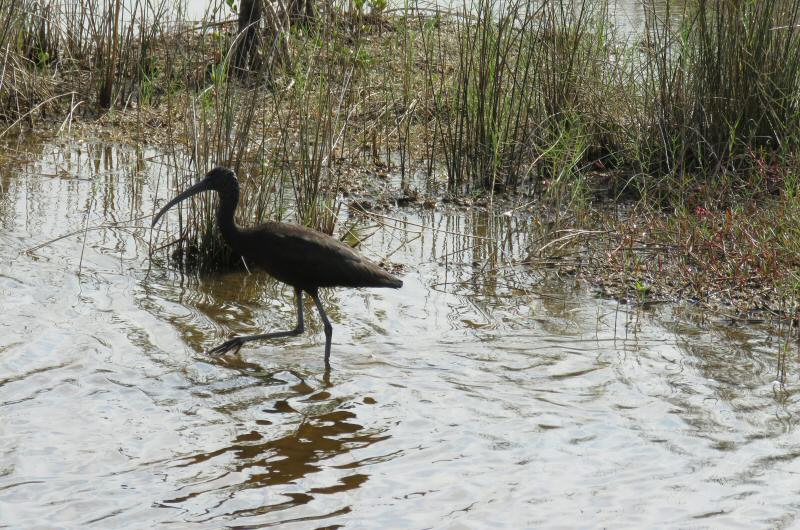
(298, 256)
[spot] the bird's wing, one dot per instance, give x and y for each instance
(299, 255)
(304, 242)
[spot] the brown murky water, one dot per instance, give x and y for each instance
(474, 397)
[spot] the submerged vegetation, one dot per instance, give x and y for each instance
(694, 115)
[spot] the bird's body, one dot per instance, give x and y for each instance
(307, 259)
(301, 257)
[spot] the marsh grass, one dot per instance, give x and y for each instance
(61, 56)
(535, 97)
(26, 44)
(725, 84)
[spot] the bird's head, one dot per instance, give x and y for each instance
(220, 179)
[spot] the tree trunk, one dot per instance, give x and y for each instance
(250, 13)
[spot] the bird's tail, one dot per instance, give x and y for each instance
(395, 283)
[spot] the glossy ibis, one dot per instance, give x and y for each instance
(301, 257)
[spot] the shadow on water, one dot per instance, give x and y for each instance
(446, 397)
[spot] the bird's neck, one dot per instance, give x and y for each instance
(228, 199)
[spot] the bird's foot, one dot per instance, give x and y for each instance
(234, 344)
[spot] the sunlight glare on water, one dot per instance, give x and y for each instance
(479, 395)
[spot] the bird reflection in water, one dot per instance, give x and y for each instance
(321, 432)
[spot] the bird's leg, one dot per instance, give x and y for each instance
(236, 342)
(328, 328)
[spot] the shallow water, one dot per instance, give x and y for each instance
(481, 395)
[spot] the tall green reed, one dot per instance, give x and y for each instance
(527, 76)
(724, 80)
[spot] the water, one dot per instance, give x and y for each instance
(481, 395)
(626, 14)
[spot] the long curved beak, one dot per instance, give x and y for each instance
(194, 190)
